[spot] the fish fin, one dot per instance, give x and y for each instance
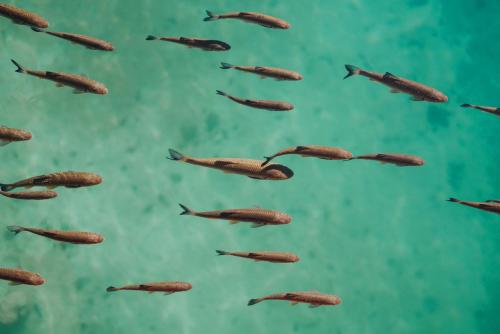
(20, 69)
(253, 301)
(225, 66)
(174, 155)
(168, 293)
(37, 29)
(293, 303)
(4, 142)
(394, 91)
(28, 187)
(150, 292)
(255, 178)
(78, 91)
(58, 84)
(417, 99)
(219, 92)
(389, 75)
(210, 16)
(187, 211)
(263, 77)
(454, 200)
(221, 252)
(466, 105)
(233, 222)
(257, 225)
(14, 283)
(15, 228)
(351, 70)
(493, 201)
(74, 186)
(314, 305)
(111, 289)
(151, 38)
(268, 159)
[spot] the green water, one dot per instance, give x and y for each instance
(383, 238)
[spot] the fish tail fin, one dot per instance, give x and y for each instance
(174, 155)
(268, 159)
(210, 16)
(20, 69)
(219, 92)
(111, 289)
(225, 66)
(454, 200)
(254, 301)
(37, 29)
(187, 211)
(221, 252)
(16, 229)
(151, 38)
(351, 70)
(466, 105)
(6, 187)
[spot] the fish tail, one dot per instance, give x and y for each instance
(187, 211)
(174, 155)
(268, 159)
(20, 69)
(6, 187)
(221, 252)
(225, 66)
(454, 200)
(37, 29)
(211, 16)
(111, 289)
(151, 38)
(466, 105)
(352, 70)
(219, 92)
(254, 301)
(16, 229)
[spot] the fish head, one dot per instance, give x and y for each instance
(277, 172)
(187, 286)
(89, 179)
(38, 280)
(334, 300)
(283, 25)
(294, 258)
(220, 46)
(283, 218)
(298, 76)
(439, 97)
(420, 162)
(287, 106)
(100, 89)
(99, 238)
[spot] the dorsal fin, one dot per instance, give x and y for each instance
(389, 75)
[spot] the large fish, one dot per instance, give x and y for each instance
(321, 152)
(314, 298)
(490, 205)
(275, 257)
(259, 217)
(250, 168)
(87, 41)
(18, 276)
(418, 91)
(30, 195)
(68, 179)
(204, 44)
(21, 16)
(64, 236)
(265, 72)
(257, 18)
(260, 104)
(166, 287)
(80, 83)
(9, 135)
(491, 110)
(401, 160)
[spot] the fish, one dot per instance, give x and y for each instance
(87, 41)
(314, 298)
(19, 276)
(166, 287)
(260, 104)
(275, 257)
(204, 44)
(491, 110)
(321, 152)
(79, 83)
(259, 217)
(246, 167)
(69, 179)
(30, 195)
(9, 135)
(250, 17)
(418, 91)
(490, 205)
(23, 17)
(71, 237)
(265, 72)
(401, 160)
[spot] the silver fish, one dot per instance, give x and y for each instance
(250, 17)
(87, 41)
(260, 104)
(279, 74)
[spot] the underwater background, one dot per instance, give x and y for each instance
(383, 238)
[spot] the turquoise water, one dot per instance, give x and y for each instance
(383, 238)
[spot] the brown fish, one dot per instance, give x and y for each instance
(204, 44)
(21, 16)
(68, 179)
(259, 217)
(18, 276)
(167, 287)
(491, 110)
(64, 236)
(314, 298)
(80, 83)
(418, 91)
(490, 205)
(9, 135)
(260, 104)
(250, 168)
(275, 257)
(321, 152)
(30, 195)
(264, 72)
(87, 41)
(401, 160)
(250, 17)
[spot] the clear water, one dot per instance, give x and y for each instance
(383, 238)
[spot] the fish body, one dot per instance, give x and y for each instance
(18, 276)
(68, 179)
(251, 17)
(491, 110)
(275, 257)
(87, 41)
(166, 287)
(418, 91)
(401, 160)
(204, 44)
(490, 205)
(63, 236)
(314, 298)
(321, 152)
(9, 135)
(30, 195)
(21, 16)
(250, 168)
(259, 217)
(260, 104)
(269, 72)
(80, 83)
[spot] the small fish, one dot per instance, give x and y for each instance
(264, 72)
(68, 179)
(259, 217)
(401, 160)
(9, 135)
(491, 110)
(167, 287)
(260, 104)
(18, 277)
(204, 44)
(30, 195)
(251, 168)
(21, 16)
(275, 257)
(314, 298)
(250, 17)
(64, 236)
(418, 91)
(87, 41)
(321, 152)
(80, 84)
(490, 205)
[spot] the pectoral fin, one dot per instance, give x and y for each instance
(233, 222)
(395, 91)
(168, 293)
(257, 225)
(78, 91)
(58, 84)
(293, 303)
(14, 283)
(314, 305)
(4, 142)
(415, 98)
